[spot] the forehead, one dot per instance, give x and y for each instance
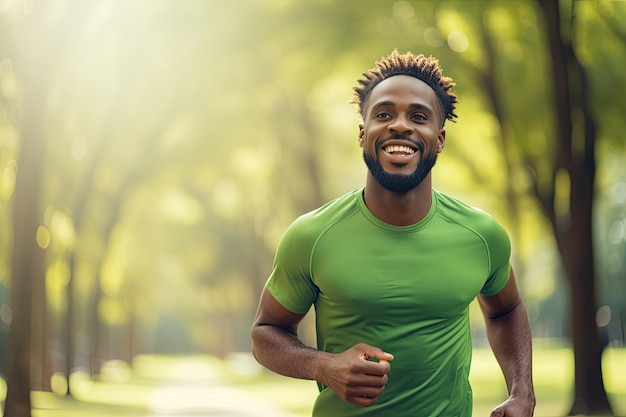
(403, 89)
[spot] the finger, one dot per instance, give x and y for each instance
(369, 380)
(366, 376)
(385, 365)
(365, 391)
(383, 356)
(363, 401)
(497, 412)
(377, 369)
(372, 352)
(374, 369)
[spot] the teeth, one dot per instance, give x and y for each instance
(399, 148)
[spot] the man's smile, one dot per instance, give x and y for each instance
(399, 152)
(398, 149)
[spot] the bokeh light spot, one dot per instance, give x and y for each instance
(617, 230)
(457, 41)
(433, 37)
(58, 383)
(6, 313)
(43, 237)
(603, 316)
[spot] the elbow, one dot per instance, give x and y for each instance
(518, 306)
(254, 341)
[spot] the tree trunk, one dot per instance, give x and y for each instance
(27, 260)
(40, 358)
(575, 156)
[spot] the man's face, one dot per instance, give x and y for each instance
(401, 135)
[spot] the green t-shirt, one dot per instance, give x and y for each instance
(404, 289)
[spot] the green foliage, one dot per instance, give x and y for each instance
(185, 136)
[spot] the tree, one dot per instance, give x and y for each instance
(27, 260)
(561, 170)
(562, 176)
(575, 160)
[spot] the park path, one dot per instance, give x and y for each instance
(165, 399)
(160, 387)
(209, 399)
(199, 388)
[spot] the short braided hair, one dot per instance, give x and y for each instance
(424, 68)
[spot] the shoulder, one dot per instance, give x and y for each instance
(472, 218)
(490, 233)
(329, 213)
(309, 226)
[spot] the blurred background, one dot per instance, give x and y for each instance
(152, 152)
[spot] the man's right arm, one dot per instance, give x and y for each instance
(275, 344)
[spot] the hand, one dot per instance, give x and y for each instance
(514, 407)
(354, 377)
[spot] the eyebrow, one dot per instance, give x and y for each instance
(418, 106)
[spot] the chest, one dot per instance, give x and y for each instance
(384, 273)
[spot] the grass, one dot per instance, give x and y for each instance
(553, 376)
(206, 386)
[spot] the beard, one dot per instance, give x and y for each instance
(399, 183)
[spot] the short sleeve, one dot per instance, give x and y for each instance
(290, 282)
(499, 249)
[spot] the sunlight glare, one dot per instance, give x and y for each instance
(180, 207)
(79, 148)
(243, 363)
(226, 198)
(116, 371)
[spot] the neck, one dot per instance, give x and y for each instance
(399, 209)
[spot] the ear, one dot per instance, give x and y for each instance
(361, 135)
(441, 140)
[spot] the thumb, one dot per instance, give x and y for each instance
(384, 356)
(371, 352)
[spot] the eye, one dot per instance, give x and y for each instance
(419, 117)
(383, 115)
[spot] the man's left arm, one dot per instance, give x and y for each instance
(508, 331)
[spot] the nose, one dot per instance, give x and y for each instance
(400, 126)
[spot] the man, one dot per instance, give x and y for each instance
(391, 270)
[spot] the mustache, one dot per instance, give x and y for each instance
(396, 136)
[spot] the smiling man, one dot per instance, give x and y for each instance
(391, 270)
